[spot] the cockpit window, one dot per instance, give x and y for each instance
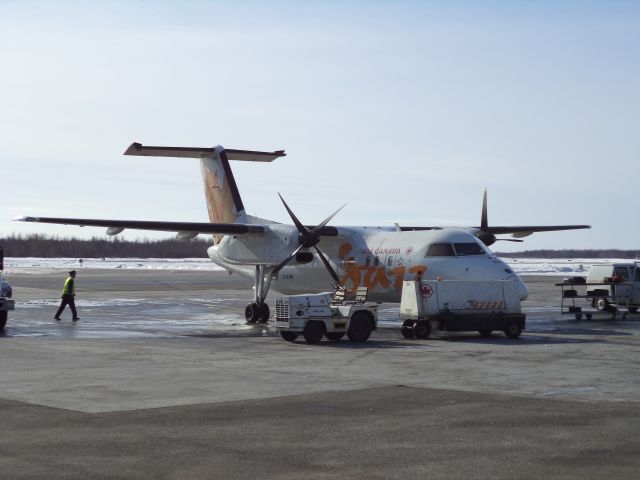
(468, 249)
(440, 250)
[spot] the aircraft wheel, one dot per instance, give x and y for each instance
(3, 319)
(578, 316)
(335, 336)
(252, 313)
(313, 332)
(359, 327)
(513, 330)
(407, 329)
(422, 329)
(589, 316)
(485, 333)
(264, 313)
(288, 336)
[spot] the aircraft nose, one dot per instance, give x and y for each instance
(522, 289)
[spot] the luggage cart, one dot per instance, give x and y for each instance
(572, 290)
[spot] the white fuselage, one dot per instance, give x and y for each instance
(380, 259)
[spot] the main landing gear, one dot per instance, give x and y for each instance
(258, 311)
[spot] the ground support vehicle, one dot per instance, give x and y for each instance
(428, 306)
(330, 315)
(609, 282)
(6, 303)
(611, 296)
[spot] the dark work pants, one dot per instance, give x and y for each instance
(67, 300)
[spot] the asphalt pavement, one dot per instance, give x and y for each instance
(161, 378)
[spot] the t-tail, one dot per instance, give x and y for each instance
(224, 202)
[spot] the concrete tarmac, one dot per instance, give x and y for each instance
(161, 378)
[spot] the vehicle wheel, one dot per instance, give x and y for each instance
(589, 316)
(359, 327)
(288, 336)
(335, 336)
(422, 329)
(513, 330)
(485, 333)
(578, 316)
(264, 313)
(603, 305)
(313, 332)
(633, 309)
(252, 313)
(407, 329)
(3, 319)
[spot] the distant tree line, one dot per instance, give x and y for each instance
(46, 246)
(36, 245)
(606, 253)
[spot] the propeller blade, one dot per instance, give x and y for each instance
(328, 265)
(484, 221)
(327, 220)
(509, 240)
(301, 228)
(286, 260)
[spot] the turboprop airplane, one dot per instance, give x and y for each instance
(304, 259)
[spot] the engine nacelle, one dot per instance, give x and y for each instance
(304, 257)
(487, 238)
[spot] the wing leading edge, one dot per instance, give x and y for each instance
(114, 225)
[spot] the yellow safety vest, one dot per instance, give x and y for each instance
(69, 287)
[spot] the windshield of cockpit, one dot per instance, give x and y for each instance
(455, 249)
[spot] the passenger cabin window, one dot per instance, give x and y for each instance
(440, 250)
(468, 249)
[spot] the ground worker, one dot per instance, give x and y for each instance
(68, 297)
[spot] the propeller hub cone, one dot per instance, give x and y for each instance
(308, 240)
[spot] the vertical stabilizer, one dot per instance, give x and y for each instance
(224, 203)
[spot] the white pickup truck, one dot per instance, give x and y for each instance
(326, 314)
(460, 306)
(6, 303)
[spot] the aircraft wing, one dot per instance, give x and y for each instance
(523, 231)
(517, 231)
(116, 226)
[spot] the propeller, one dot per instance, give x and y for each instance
(484, 234)
(309, 238)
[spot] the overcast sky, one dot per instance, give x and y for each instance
(404, 110)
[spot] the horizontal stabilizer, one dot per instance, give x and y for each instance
(196, 152)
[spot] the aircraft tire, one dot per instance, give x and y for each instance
(359, 327)
(422, 329)
(335, 336)
(3, 319)
(313, 332)
(288, 336)
(513, 330)
(252, 313)
(264, 313)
